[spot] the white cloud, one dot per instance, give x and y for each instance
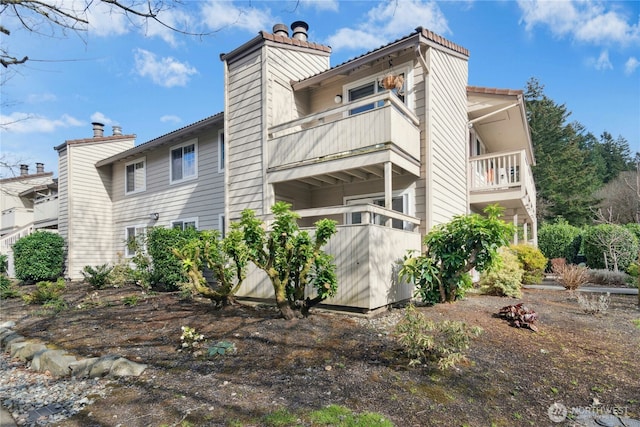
(105, 20)
(601, 63)
(588, 21)
(218, 15)
(631, 65)
(170, 118)
(167, 72)
(101, 118)
(388, 21)
(19, 122)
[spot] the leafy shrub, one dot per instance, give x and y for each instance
(504, 278)
(98, 277)
(190, 339)
(572, 276)
(609, 278)
(166, 268)
(634, 228)
(559, 240)
(39, 256)
(532, 261)
(47, 292)
(593, 304)
(427, 341)
(453, 249)
(4, 263)
(7, 288)
(610, 246)
(121, 274)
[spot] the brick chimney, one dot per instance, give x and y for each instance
(24, 170)
(98, 130)
(39, 167)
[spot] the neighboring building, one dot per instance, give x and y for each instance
(388, 144)
(28, 202)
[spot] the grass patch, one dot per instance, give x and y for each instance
(339, 416)
(636, 322)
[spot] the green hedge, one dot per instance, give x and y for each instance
(39, 256)
(559, 240)
(167, 271)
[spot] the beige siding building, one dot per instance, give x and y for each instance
(388, 144)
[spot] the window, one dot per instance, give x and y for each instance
(221, 151)
(135, 176)
(184, 162)
(373, 85)
(135, 239)
(399, 203)
(183, 224)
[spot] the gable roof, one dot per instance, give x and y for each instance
(169, 138)
(419, 36)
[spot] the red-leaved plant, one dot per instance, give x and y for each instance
(520, 316)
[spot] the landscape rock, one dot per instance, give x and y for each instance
(9, 338)
(26, 350)
(7, 325)
(56, 362)
(126, 368)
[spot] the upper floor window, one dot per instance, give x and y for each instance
(221, 151)
(374, 84)
(135, 176)
(184, 162)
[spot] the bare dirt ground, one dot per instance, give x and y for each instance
(514, 375)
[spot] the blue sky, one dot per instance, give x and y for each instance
(151, 81)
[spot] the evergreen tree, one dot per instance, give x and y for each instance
(616, 155)
(565, 177)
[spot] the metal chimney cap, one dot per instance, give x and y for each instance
(281, 30)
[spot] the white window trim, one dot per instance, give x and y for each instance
(193, 142)
(143, 228)
(144, 187)
(183, 220)
(221, 224)
(406, 68)
(221, 148)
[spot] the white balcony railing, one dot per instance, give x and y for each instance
(45, 209)
(334, 133)
(504, 172)
(15, 217)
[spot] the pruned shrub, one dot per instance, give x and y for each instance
(39, 256)
(572, 276)
(7, 288)
(610, 246)
(98, 277)
(504, 278)
(532, 261)
(610, 278)
(594, 303)
(559, 240)
(425, 341)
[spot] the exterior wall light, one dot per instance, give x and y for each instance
(154, 216)
(338, 99)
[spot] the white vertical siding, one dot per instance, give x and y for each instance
(447, 136)
(89, 221)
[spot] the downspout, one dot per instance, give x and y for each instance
(428, 158)
(225, 126)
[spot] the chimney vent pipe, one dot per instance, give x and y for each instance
(98, 130)
(39, 167)
(299, 29)
(117, 130)
(281, 30)
(24, 170)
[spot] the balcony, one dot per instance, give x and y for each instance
(15, 218)
(367, 271)
(334, 141)
(504, 178)
(45, 212)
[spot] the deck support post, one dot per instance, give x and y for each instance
(388, 190)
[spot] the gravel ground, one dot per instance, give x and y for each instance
(37, 399)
